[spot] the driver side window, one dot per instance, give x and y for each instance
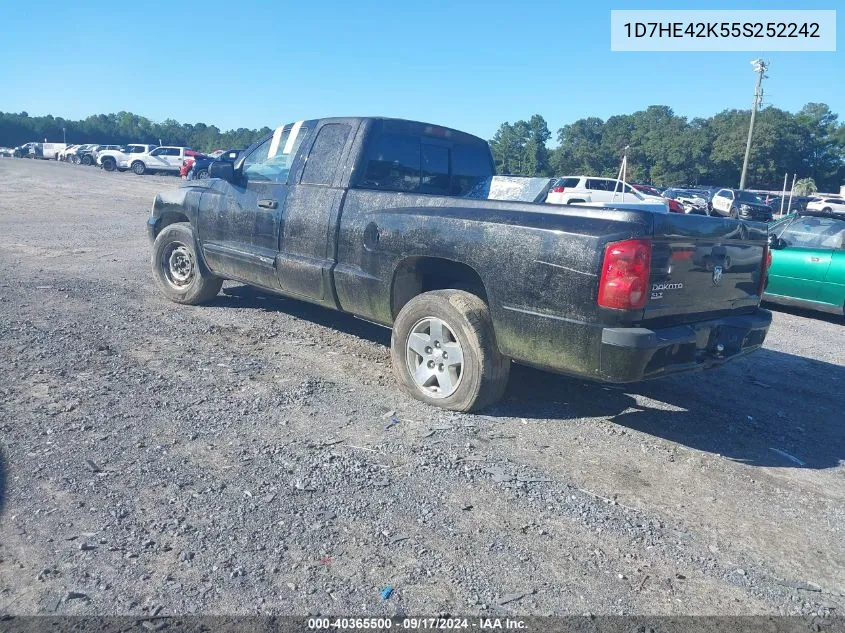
(272, 160)
(258, 155)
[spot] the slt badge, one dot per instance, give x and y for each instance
(717, 275)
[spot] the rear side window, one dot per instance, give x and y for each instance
(393, 164)
(470, 165)
(396, 162)
(323, 160)
(435, 169)
(569, 183)
(595, 184)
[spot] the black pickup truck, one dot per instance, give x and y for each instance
(383, 219)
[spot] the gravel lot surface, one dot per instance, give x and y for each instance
(238, 458)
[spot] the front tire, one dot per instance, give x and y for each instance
(87, 160)
(139, 168)
(109, 164)
(443, 351)
(180, 274)
(734, 213)
(827, 210)
(202, 174)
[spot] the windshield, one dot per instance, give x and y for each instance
(747, 196)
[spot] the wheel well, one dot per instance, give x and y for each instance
(416, 275)
(574, 201)
(168, 218)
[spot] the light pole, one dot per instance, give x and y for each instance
(760, 68)
(64, 136)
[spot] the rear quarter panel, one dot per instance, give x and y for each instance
(539, 263)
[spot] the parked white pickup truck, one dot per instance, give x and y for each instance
(164, 158)
(121, 159)
(603, 192)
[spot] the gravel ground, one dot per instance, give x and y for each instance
(238, 458)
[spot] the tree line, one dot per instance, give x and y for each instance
(123, 127)
(662, 147)
(669, 150)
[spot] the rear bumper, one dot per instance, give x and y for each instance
(632, 354)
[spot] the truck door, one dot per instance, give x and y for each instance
(312, 207)
(158, 158)
(240, 223)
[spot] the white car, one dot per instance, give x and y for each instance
(66, 152)
(831, 204)
(603, 192)
(121, 159)
(164, 158)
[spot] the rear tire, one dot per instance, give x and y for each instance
(827, 210)
(202, 175)
(87, 160)
(453, 322)
(180, 274)
(734, 213)
(109, 164)
(139, 168)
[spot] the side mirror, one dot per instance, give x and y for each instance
(775, 243)
(222, 169)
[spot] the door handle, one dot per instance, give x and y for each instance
(268, 204)
(815, 259)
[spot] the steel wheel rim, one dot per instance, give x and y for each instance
(434, 357)
(177, 263)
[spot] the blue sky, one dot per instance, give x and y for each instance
(466, 64)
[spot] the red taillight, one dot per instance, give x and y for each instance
(764, 273)
(559, 189)
(624, 275)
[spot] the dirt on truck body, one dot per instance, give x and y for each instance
(380, 218)
(236, 458)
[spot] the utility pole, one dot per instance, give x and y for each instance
(760, 68)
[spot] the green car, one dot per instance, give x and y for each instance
(808, 261)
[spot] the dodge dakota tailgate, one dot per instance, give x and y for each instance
(703, 266)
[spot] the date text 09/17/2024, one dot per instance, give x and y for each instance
(423, 623)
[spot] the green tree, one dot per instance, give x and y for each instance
(805, 187)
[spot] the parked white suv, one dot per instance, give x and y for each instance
(164, 158)
(829, 204)
(603, 192)
(121, 159)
